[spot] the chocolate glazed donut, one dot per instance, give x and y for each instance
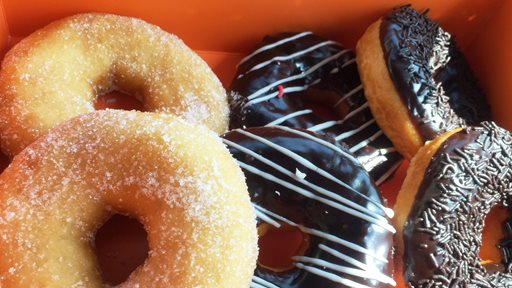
(469, 174)
(275, 81)
(432, 78)
(297, 179)
(417, 82)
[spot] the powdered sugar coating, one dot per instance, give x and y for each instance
(178, 180)
(57, 72)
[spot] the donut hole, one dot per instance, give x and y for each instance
(277, 246)
(121, 246)
(324, 104)
(4, 161)
(492, 235)
(120, 100)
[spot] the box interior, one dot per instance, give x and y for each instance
(223, 33)
(235, 27)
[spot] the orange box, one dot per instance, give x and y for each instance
(224, 32)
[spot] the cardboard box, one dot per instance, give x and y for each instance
(224, 32)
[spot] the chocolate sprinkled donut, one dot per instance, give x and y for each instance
(463, 102)
(429, 77)
(467, 176)
(298, 179)
(274, 83)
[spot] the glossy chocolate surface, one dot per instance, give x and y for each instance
(430, 74)
(310, 69)
(469, 174)
(318, 212)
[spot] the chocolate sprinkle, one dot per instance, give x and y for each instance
(430, 74)
(469, 175)
(315, 70)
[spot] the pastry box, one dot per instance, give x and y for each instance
(223, 32)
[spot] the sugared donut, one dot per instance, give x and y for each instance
(57, 73)
(177, 179)
(299, 180)
(275, 83)
(417, 82)
(451, 185)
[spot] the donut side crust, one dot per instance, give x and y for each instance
(407, 194)
(383, 99)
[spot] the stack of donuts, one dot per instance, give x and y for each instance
(72, 168)
(308, 131)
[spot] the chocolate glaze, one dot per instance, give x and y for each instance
(469, 174)
(311, 213)
(430, 74)
(505, 244)
(337, 78)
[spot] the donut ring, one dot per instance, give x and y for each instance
(298, 179)
(274, 84)
(57, 72)
(417, 82)
(178, 180)
(451, 185)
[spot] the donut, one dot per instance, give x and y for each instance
(57, 72)
(417, 82)
(299, 180)
(279, 83)
(177, 179)
(451, 185)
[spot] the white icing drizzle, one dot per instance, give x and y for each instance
(288, 57)
(297, 76)
(330, 276)
(355, 131)
(361, 144)
(256, 285)
(324, 235)
(388, 211)
(324, 125)
(388, 173)
(353, 60)
(262, 282)
(371, 159)
(329, 124)
(275, 44)
(289, 116)
(321, 190)
(266, 219)
(382, 223)
(344, 269)
(375, 274)
(384, 151)
(334, 70)
(349, 94)
(304, 162)
(317, 140)
(286, 90)
(348, 259)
